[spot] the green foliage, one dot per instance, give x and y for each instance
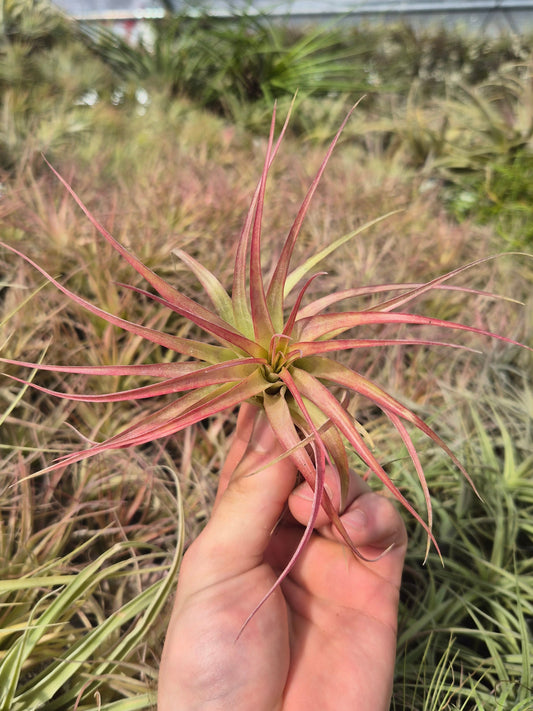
(47, 81)
(237, 67)
(81, 595)
(502, 197)
(32, 22)
(230, 66)
(432, 57)
(476, 141)
(465, 639)
(465, 129)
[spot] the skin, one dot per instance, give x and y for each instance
(326, 638)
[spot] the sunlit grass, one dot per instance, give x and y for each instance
(87, 564)
(465, 629)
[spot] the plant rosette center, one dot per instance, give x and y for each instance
(279, 358)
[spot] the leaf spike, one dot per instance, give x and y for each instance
(160, 285)
(277, 284)
(156, 370)
(232, 371)
(203, 403)
(315, 307)
(175, 343)
(321, 450)
(300, 271)
(309, 348)
(262, 323)
(277, 412)
(212, 286)
(239, 297)
(225, 333)
(320, 395)
(332, 324)
(418, 290)
(339, 374)
(404, 434)
(295, 309)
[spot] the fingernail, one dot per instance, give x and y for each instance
(261, 439)
(305, 493)
(356, 519)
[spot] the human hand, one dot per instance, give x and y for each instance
(326, 638)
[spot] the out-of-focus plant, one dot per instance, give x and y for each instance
(78, 601)
(230, 65)
(34, 22)
(501, 195)
(469, 128)
(48, 81)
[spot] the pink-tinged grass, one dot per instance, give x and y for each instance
(263, 348)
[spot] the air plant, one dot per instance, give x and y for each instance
(278, 357)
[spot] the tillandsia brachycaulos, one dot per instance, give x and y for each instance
(259, 349)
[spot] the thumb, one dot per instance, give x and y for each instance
(240, 527)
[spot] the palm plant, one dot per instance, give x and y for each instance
(259, 349)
